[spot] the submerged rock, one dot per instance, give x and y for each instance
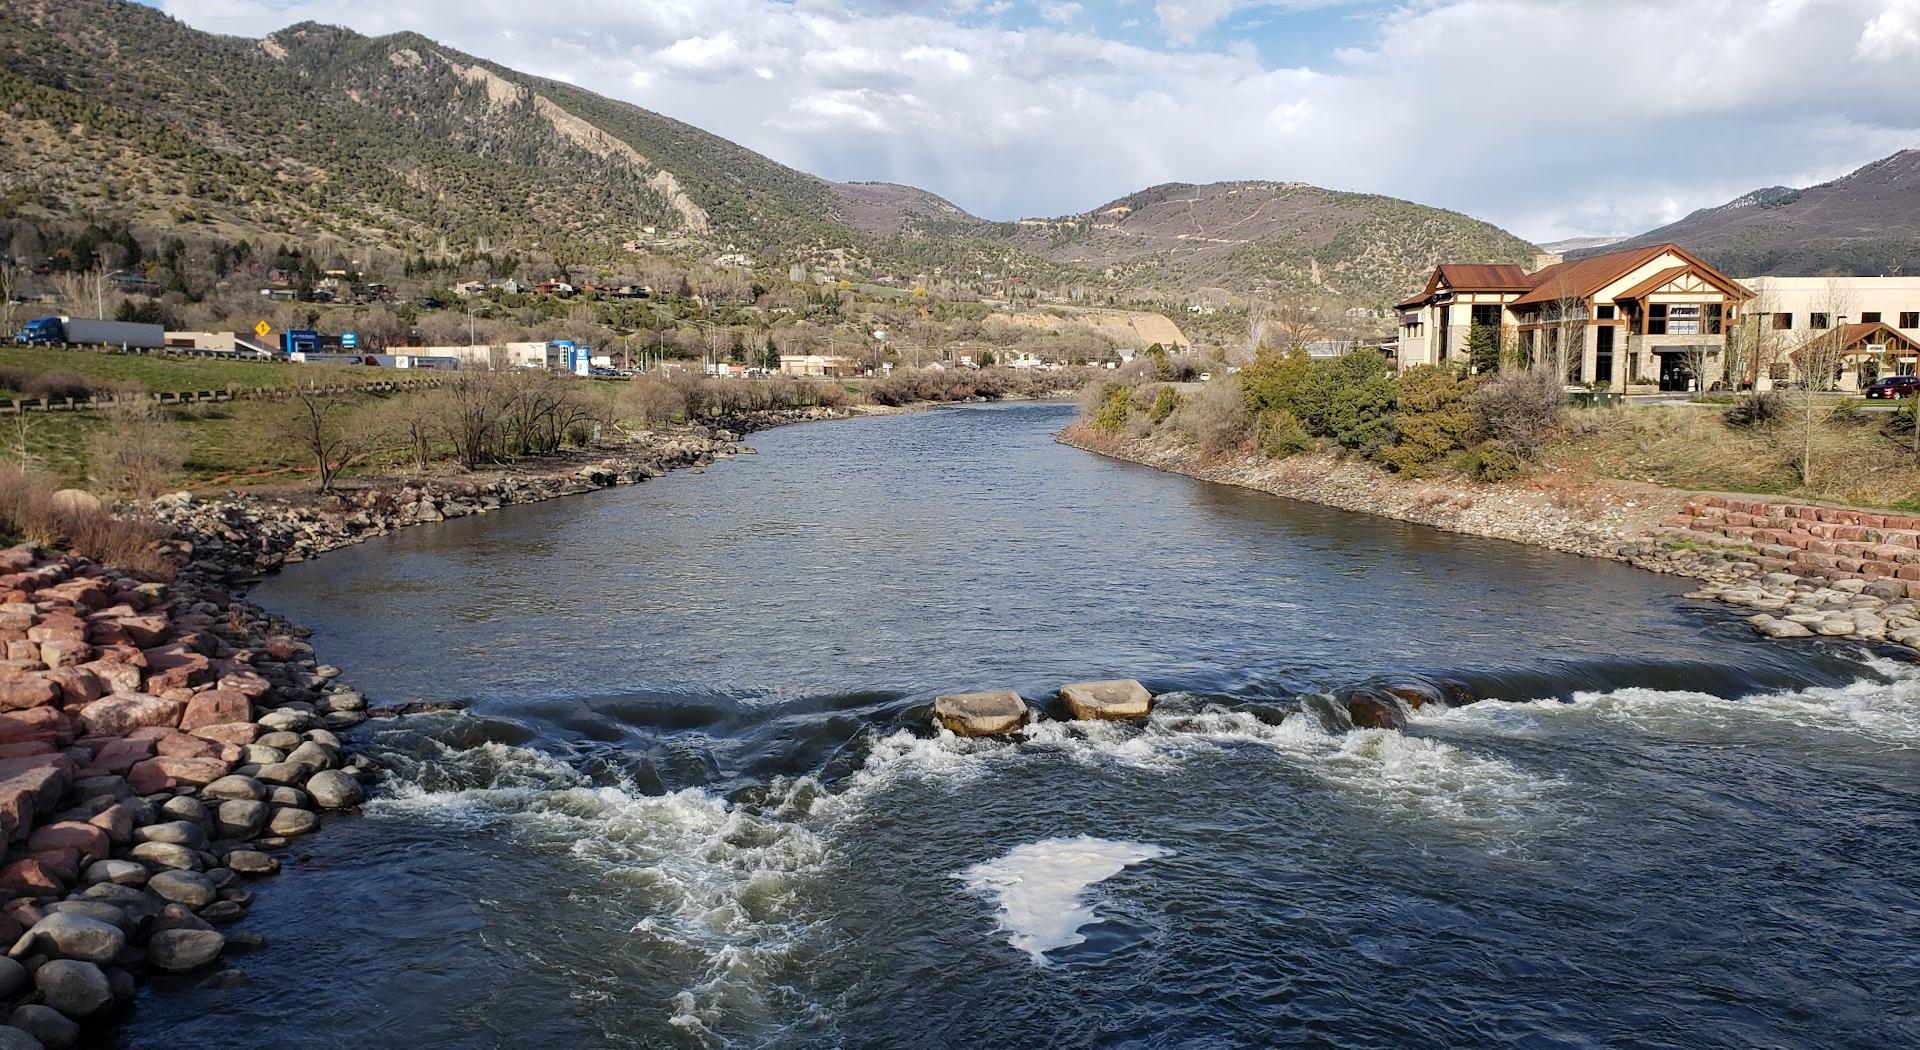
(1111, 699)
(993, 713)
(1371, 708)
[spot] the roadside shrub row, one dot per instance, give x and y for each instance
(1282, 404)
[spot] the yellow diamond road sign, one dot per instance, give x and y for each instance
(262, 329)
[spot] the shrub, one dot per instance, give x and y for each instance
(1164, 404)
(1274, 379)
(29, 512)
(1214, 418)
(1755, 411)
(1349, 399)
(1281, 434)
(1518, 410)
(57, 382)
(1490, 461)
(1432, 420)
(138, 452)
(1111, 416)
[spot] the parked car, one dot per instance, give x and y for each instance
(1887, 388)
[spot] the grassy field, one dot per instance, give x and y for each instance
(168, 373)
(1859, 462)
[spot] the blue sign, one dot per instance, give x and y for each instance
(349, 340)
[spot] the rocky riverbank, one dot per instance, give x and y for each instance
(161, 744)
(1807, 571)
(160, 747)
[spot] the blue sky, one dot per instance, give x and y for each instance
(1553, 118)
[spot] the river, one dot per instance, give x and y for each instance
(696, 800)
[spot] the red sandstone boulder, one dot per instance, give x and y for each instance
(39, 723)
(116, 821)
(230, 732)
(65, 654)
(174, 666)
(77, 685)
(120, 715)
(247, 684)
(158, 774)
(145, 631)
(117, 677)
(176, 744)
(20, 693)
(58, 627)
(31, 876)
(90, 842)
(119, 755)
(216, 707)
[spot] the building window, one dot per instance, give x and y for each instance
(1819, 321)
(1606, 313)
(1870, 317)
(1681, 320)
(1657, 319)
(1711, 314)
(1783, 322)
(1910, 318)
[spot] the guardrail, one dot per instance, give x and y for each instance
(16, 406)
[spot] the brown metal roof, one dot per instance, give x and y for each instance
(1582, 278)
(1485, 277)
(1854, 338)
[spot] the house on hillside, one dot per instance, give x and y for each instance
(817, 365)
(469, 289)
(1654, 315)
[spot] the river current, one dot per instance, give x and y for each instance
(695, 797)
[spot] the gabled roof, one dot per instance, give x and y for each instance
(1853, 339)
(1470, 277)
(1583, 278)
(1654, 283)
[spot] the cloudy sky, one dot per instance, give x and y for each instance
(1554, 118)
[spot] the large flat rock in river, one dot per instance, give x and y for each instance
(993, 713)
(1117, 698)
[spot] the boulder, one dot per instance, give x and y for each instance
(77, 502)
(241, 818)
(1371, 708)
(13, 977)
(68, 936)
(216, 707)
(190, 888)
(994, 713)
(333, 789)
(183, 950)
(121, 872)
(165, 855)
(1113, 699)
(1777, 628)
(252, 862)
(181, 832)
(18, 694)
(121, 714)
(90, 842)
(288, 821)
(51, 1027)
(158, 774)
(235, 788)
(73, 987)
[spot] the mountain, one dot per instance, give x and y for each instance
(1578, 244)
(1271, 237)
(403, 145)
(1865, 224)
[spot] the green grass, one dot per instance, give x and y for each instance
(168, 373)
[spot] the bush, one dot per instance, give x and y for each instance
(1214, 418)
(139, 451)
(1281, 434)
(57, 382)
(1111, 416)
(1274, 379)
(1164, 404)
(1432, 420)
(1349, 399)
(29, 512)
(1756, 411)
(1490, 461)
(1518, 410)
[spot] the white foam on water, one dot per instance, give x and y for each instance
(719, 884)
(1425, 777)
(1885, 712)
(1041, 887)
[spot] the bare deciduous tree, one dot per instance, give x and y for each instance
(321, 425)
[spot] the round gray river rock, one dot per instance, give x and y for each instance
(71, 936)
(230, 788)
(290, 821)
(182, 950)
(50, 1026)
(333, 789)
(73, 987)
(185, 887)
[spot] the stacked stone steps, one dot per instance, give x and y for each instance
(1807, 540)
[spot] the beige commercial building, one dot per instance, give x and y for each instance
(1642, 317)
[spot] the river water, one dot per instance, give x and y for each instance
(696, 799)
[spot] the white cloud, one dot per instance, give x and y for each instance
(1059, 12)
(1550, 117)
